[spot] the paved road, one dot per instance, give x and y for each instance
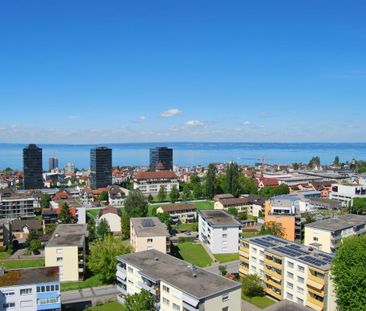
(102, 293)
(231, 267)
(246, 306)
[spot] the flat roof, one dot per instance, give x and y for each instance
(286, 305)
(299, 252)
(338, 223)
(29, 276)
(219, 218)
(149, 226)
(194, 281)
(68, 235)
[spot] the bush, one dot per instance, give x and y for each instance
(252, 286)
(223, 270)
(181, 239)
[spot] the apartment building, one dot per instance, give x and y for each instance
(5, 232)
(180, 213)
(289, 271)
(30, 289)
(149, 233)
(66, 249)
(175, 284)
(14, 204)
(250, 204)
(283, 211)
(219, 231)
(345, 193)
(327, 234)
(150, 182)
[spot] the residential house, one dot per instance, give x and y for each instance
(111, 215)
(116, 195)
(150, 182)
(21, 228)
(180, 213)
(250, 204)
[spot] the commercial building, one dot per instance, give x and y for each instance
(180, 213)
(66, 249)
(327, 234)
(150, 182)
(17, 204)
(219, 231)
(30, 289)
(289, 271)
(101, 167)
(175, 284)
(161, 155)
(149, 233)
(52, 163)
(32, 166)
(346, 193)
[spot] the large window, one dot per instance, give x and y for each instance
(46, 301)
(25, 291)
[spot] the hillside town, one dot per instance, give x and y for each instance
(226, 237)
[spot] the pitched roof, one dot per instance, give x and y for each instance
(155, 175)
(178, 207)
(268, 182)
(108, 210)
(32, 224)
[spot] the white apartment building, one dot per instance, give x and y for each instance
(14, 204)
(327, 234)
(289, 271)
(150, 182)
(346, 193)
(219, 231)
(180, 213)
(176, 285)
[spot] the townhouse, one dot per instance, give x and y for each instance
(327, 234)
(219, 231)
(180, 213)
(175, 284)
(289, 271)
(150, 182)
(30, 289)
(66, 249)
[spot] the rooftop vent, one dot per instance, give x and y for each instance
(156, 259)
(57, 235)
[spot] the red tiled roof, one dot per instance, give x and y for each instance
(160, 166)
(72, 210)
(62, 195)
(268, 182)
(156, 175)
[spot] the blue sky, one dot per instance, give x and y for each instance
(192, 70)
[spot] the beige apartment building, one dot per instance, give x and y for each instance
(289, 271)
(66, 250)
(177, 285)
(149, 233)
(180, 213)
(326, 235)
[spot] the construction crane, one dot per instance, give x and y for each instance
(263, 161)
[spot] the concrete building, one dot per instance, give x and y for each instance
(69, 168)
(346, 193)
(175, 284)
(219, 231)
(180, 213)
(150, 182)
(149, 233)
(111, 216)
(100, 167)
(32, 166)
(250, 204)
(6, 235)
(66, 249)
(326, 235)
(162, 156)
(289, 271)
(52, 163)
(16, 204)
(30, 289)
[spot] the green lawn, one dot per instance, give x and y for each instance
(186, 227)
(249, 234)
(92, 281)
(193, 253)
(94, 212)
(222, 258)
(18, 264)
(109, 306)
(259, 301)
(204, 205)
(150, 208)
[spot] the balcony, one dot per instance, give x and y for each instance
(273, 283)
(273, 273)
(121, 288)
(244, 249)
(121, 275)
(274, 264)
(272, 293)
(314, 303)
(147, 287)
(244, 269)
(316, 279)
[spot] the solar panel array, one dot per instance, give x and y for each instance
(314, 261)
(147, 223)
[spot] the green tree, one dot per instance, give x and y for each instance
(125, 226)
(232, 211)
(33, 235)
(35, 245)
(102, 258)
(162, 194)
(174, 194)
(358, 206)
(232, 180)
(242, 216)
(139, 301)
(252, 286)
(210, 182)
(349, 273)
(223, 270)
(65, 216)
(103, 196)
(91, 229)
(197, 191)
(273, 228)
(295, 166)
(45, 200)
(136, 204)
(103, 228)
(186, 192)
(194, 179)
(336, 161)
(166, 219)
(314, 162)
(247, 185)
(150, 198)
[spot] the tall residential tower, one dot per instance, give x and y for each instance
(101, 167)
(32, 165)
(162, 156)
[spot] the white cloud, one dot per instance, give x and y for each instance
(247, 123)
(13, 126)
(73, 117)
(142, 118)
(170, 113)
(194, 123)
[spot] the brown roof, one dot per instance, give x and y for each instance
(156, 175)
(108, 210)
(160, 166)
(233, 201)
(268, 182)
(32, 224)
(178, 207)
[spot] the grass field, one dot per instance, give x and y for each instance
(94, 212)
(193, 253)
(109, 306)
(204, 205)
(19, 264)
(92, 281)
(186, 227)
(259, 301)
(222, 258)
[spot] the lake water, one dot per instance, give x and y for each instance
(190, 154)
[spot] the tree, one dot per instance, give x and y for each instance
(232, 180)
(35, 245)
(162, 194)
(336, 161)
(349, 273)
(358, 206)
(223, 270)
(65, 216)
(210, 181)
(295, 166)
(125, 225)
(33, 235)
(166, 219)
(174, 194)
(273, 228)
(103, 228)
(252, 286)
(314, 162)
(150, 198)
(194, 179)
(103, 196)
(197, 191)
(247, 185)
(135, 204)
(232, 211)
(139, 301)
(186, 192)
(103, 253)
(91, 229)
(45, 200)
(243, 216)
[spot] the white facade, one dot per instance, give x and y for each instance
(346, 193)
(113, 220)
(153, 187)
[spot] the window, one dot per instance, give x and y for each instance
(48, 288)
(225, 297)
(224, 229)
(315, 238)
(9, 293)
(149, 240)
(290, 296)
(59, 250)
(59, 259)
(290, 264)
(46, 301)
(301, 268)
(225, 309)
(300, 279)
(165, 288)
(56, 287)
(300, 290)
(300, 301)
(25, 291)
(52, 288)
(290, 275)
(254, 250)
(176, 307)
(224, 236)
(166, 301)
(129, 281)
(27, 303)
(290, 285)
(9, 305)
(130, 270)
